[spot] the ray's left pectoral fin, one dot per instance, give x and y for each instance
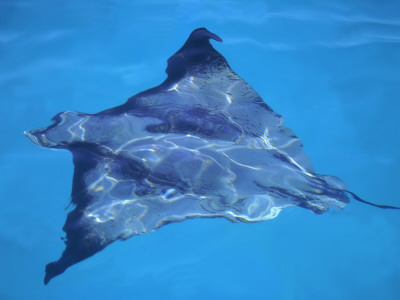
(82, 241)
(83, 238)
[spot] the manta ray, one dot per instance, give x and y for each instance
(202, 144)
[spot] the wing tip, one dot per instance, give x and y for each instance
(196, 50)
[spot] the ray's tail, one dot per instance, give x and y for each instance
(370, 203)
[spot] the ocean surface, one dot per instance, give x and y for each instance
(331, 69)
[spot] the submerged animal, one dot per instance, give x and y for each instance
(201, 144)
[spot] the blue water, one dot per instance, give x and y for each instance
(331, 69)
